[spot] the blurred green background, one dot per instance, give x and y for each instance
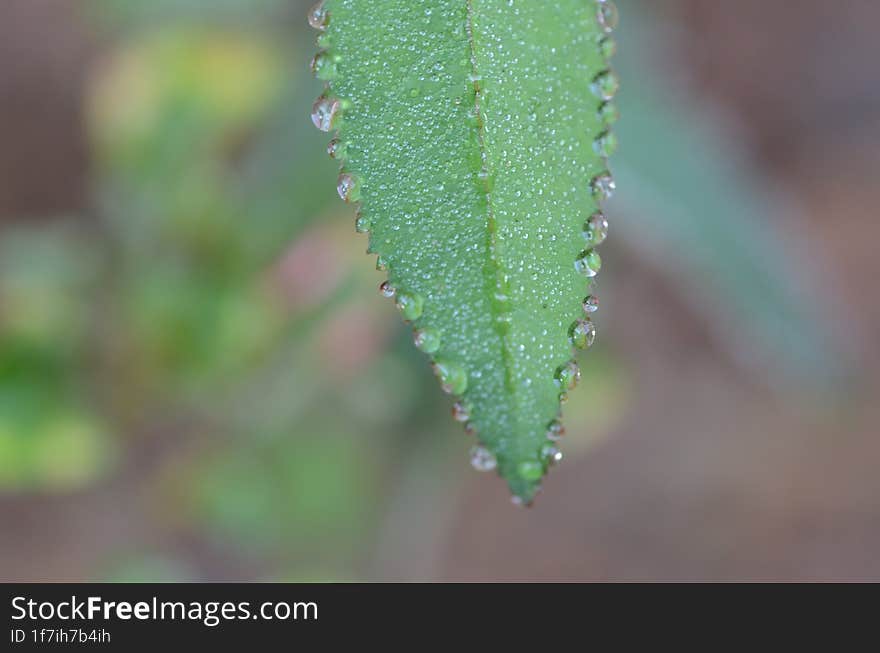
(199, 381)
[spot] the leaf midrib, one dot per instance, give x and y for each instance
(491, 224)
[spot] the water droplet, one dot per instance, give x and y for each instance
(596, 229)
(362, 223)
(318, 16)
(324, 112)
(410, 305)
(381, 263)
(555, 430)
(482, 459)
(519, 502)
(337, 149)
(608, 47)
(503, 322)
(428, 340)
(563, 397)
(603, 186)
(503, 308)
(605, 85)
(607, 15)
(470, 429)
(386, 289)
(551, 454)
(453, 377)
(568, 375)
(605, 143)
(347, 187)
(582, 334)
(530, 470)
(324, 66)
(591, 304)
(608, 113)
(588, 263)
(460, 412)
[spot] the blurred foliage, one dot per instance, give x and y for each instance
(137, 15)
(217, 308)
(48, 436)
(710, 221)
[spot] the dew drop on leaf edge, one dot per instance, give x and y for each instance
(411, 305)
(362, 224)
(568, 375)
(460, 412)
(387, 290)
(347, 187)
(607, 15)
(551, 454)
(336, 149)
(318, 16)
(596, 229)
(555, 430)
(482, 459)
(582, 333)
(609, 113)
(605, 144)
(588, 263)
(605, 85)
(323, 66)
(324, 112)
(608, 47)
(453, 377)
(591, 304)
(427, 340)
(603, 186)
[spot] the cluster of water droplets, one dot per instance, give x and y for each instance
(327, 114)
(328, 109)
(582, 332)
(604, 86)
(482, 459)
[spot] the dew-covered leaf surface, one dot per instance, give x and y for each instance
(472, 137)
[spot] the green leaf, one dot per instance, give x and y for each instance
(473, 135)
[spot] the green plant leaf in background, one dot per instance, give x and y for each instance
(709, 218)
(473, 135)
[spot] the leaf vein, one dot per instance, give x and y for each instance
(496, 278)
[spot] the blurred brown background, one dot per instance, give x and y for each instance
(692, 455)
